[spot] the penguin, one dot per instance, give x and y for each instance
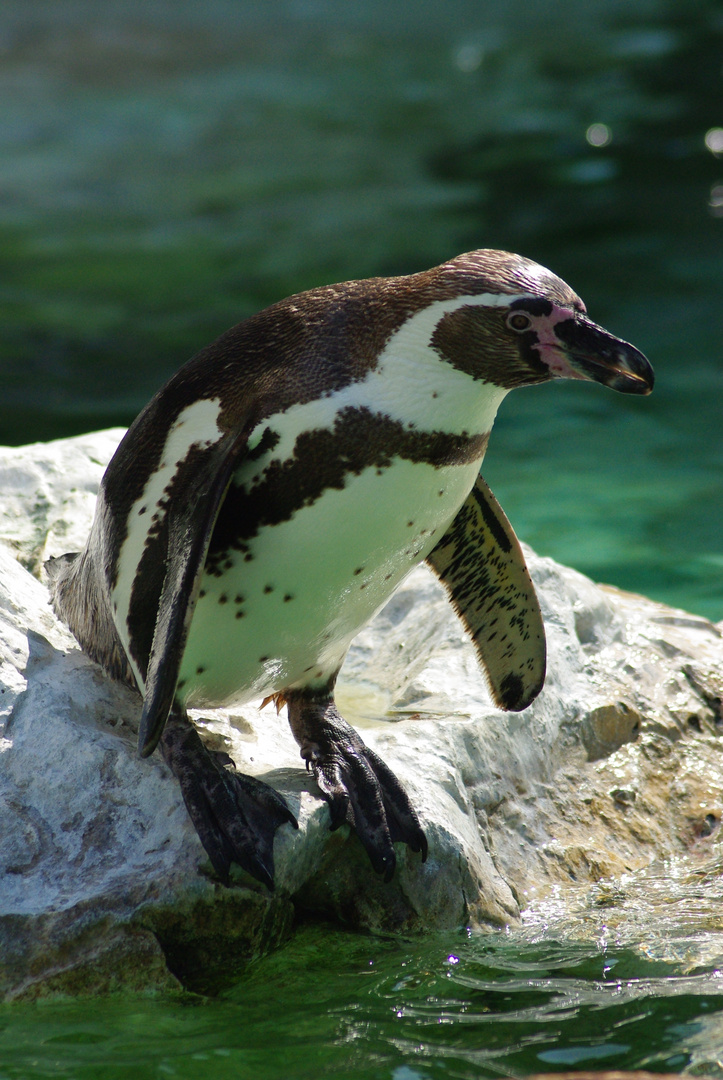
(272, 495)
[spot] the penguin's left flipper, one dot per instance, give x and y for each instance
(480, 563)
(201, 483)
(235, 816)
(359, 788)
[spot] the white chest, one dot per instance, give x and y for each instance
(286, 615)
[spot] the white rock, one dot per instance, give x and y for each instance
(103, 881)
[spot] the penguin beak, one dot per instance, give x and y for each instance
(593, 353)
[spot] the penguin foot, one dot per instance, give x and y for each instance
(359, 788)
(235, 816)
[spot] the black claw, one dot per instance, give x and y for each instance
(401, 815)
(331, 783)
(359, 788)
(235, 816)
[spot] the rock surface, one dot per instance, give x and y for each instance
(104, 884)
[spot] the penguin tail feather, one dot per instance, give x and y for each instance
(81, 602)
(57, 565)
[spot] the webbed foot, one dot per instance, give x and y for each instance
(235, 816)
(359, 788)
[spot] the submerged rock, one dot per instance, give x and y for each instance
(104, 883)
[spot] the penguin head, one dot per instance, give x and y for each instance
(522, 324)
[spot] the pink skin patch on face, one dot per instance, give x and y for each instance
(551, 351)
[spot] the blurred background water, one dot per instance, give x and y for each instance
(169, 167)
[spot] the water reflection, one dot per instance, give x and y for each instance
(623, 975)
(716, 200)
(598, 135)
(714, 141)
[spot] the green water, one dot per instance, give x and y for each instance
(630, 980)
(167, 168)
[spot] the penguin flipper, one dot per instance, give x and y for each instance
(480, 563)
(359, 787)
(199, 491)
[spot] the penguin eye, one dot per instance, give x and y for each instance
(518, 321)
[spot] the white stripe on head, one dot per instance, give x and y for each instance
(410, 383)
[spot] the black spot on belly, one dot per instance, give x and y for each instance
(268, 441)
(240, 614)
(263, 659)
(288, 596)
(268, 589)
(180, 684)
(200, 670)
(201, 593)
(223, 599)
(142, 511)
(409, 524)
(359, 570)
(238, 598)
